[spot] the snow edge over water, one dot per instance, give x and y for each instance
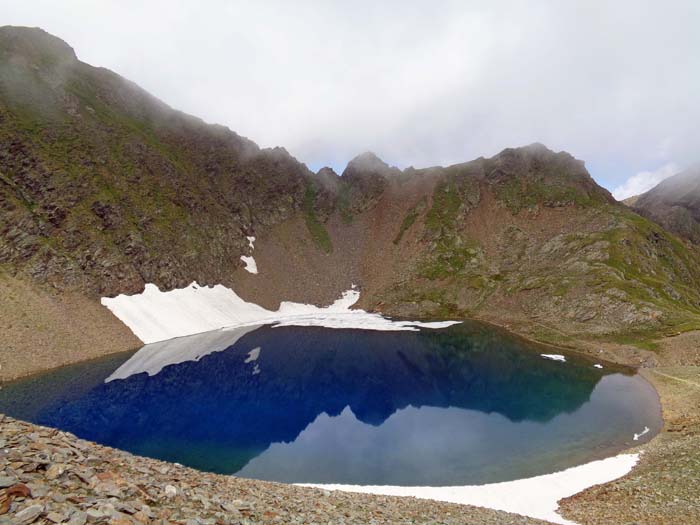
(155, 316)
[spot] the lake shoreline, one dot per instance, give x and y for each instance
(577, 506)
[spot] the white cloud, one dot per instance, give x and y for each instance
(614, 83)
(644, 181)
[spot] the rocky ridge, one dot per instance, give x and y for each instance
(103, 187)
(675, 204)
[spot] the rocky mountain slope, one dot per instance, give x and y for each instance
(104, 188)
(526, 235)
(675, 204)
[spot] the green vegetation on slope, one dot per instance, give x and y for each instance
(316, 228)
(451, 250)
(103, 187)
(410, 219)
(519, 194)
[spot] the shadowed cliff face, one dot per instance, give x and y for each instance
(675, 204)
(104, 188)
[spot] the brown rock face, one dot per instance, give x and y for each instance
(675, 204)
(104, 188)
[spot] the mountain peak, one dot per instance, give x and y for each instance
(369, 163)
(675, 204)
(34, 44)
(327, 171)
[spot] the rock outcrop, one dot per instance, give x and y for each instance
(675, 204)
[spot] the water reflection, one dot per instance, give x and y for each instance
(462, 405)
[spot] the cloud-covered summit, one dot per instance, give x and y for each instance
(614, 83)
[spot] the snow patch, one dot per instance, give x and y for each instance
(598, 365)
(155, 316)
(250, 264)
(535, 497)
(637, 436)
(156, 356)
(253, 355)
(554, 357)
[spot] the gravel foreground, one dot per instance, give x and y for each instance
(52, 477)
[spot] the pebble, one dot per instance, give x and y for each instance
(55, 471)
(29, 514)
(7, 481)
(78, 518)
(55, 517)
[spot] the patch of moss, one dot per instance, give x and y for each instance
(344, 204)
(444, 210)
(444, 306)
(644, 255)
(450, 256)
(549, 336)
(20, 195)
(451, 251)
(644, 340)
(518, 194)
(316, 228)
(410, 219)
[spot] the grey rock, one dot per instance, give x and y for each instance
(56, 517)
(55, 471)
(124, 507)
(95, 515)
(7, 481)
(78, 518)
(29, 514)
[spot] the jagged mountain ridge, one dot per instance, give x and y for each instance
(104, 188)
(675, 204)
(128, 189)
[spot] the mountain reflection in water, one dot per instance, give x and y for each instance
(468, 404)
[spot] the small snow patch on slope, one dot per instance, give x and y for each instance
(554, 357)
(637, 436)
(250, 264)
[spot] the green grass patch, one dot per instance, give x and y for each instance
(410, 219)
(519, 194)
(344, 204)
(318, 231)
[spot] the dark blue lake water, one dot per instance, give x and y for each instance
(464, 405)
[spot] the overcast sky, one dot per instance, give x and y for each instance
(420, 83)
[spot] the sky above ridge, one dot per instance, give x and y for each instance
(419, 83)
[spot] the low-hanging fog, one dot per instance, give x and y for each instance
(417, 82)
